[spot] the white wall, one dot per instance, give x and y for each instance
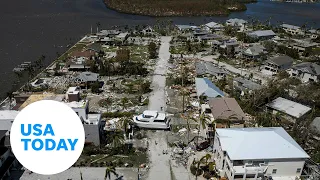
(285, 168)
(304, 77)
(81, 112)
(218, 153)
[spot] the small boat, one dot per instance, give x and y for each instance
(152, 120)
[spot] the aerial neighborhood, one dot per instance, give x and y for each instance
(231, 100)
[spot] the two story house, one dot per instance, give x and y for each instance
(226, 112)
(257, 153)
(208, 69)
(306, 72)
(276, 64)
(291, 29)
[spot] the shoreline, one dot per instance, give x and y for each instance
(41, 71)
(214, 13)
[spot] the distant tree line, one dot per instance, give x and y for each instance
(177, 7)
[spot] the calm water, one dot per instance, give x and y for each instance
(35, 27)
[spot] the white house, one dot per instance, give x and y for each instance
(87, 77)
(276, 64)
(289, 110)
(256, 153)
(262, 34)
(213, 26)
(306, 72)
(91, 121)
(291, 29)
(147, 30)
(238, 23)
(208, 69)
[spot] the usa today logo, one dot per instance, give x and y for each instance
(47, 137)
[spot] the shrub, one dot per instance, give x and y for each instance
(194, 171)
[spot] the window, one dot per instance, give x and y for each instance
(274, 171)
(208, 110)
(238, 176)
(298, 170)
(250, 176)
(159, 120)
(238, 163)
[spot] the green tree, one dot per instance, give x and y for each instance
(117, 138)
(123, 57)
(188, 118)
(152, 50)
(39, 61)
(283, 75)
(203, 120)
(125, 123)
(110, 170)
(188, 46)
(106, 102)
(93, 66)
(124, 101)
(195, 166)
(95, 87)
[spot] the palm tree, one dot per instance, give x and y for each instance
(124, 102)
(108, 102)
(203, 120)
(188, 118)
(117, 138)
(203, 160)
(125, 122)
(184, 93)
(110, 170)
(39, 61)
(18, 75)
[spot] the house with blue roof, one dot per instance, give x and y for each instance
(206, 89)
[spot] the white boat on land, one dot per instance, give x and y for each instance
(152, 120)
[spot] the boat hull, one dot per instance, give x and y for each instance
(152, 125)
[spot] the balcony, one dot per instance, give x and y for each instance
(249, 169)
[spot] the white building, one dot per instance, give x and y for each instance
(277, 64)
(291, 29)
(238, 23)
(289, 110)
(6, 119)
(213, 26)
(91, 121)
(255, 153)
(306, 72)
(147, 30)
